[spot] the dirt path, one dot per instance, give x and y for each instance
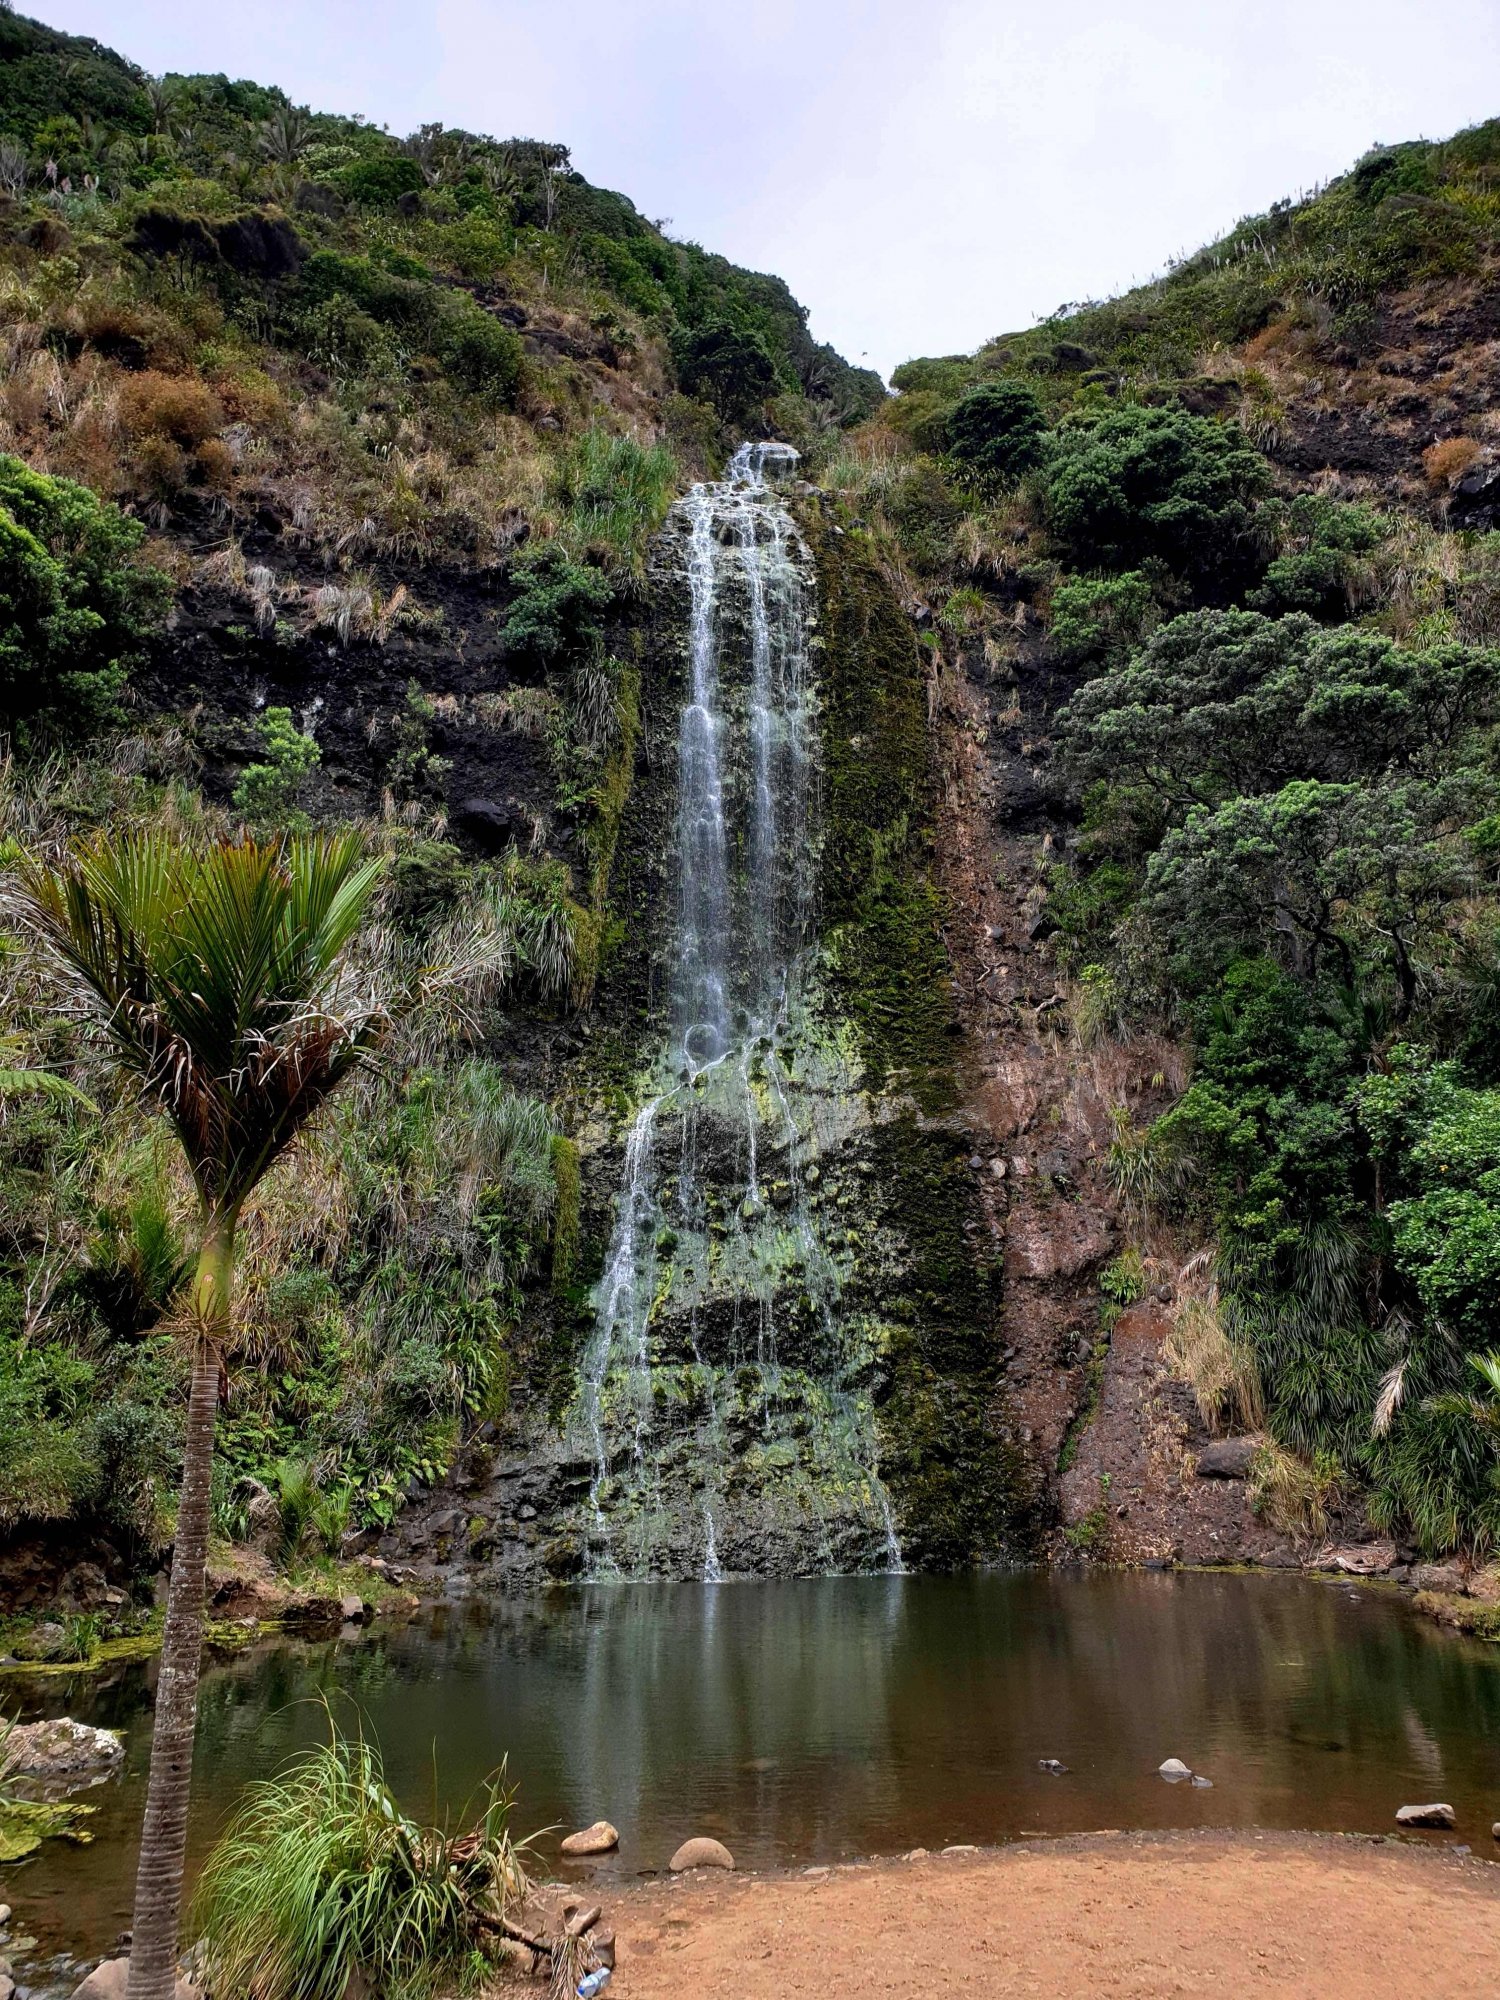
(1106, 1917)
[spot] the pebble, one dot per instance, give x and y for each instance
(1495, 1830)
(920, 1853)
(961, 1847)
(1202, 1784)
(4, 1913)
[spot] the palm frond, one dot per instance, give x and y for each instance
(218, 975)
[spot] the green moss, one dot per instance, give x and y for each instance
(24, 1826)
(566, 1173)
(882, 912)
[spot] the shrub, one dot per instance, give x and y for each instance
(559, 605)
(997, 432)
(75, 604)
(725, 365)
(1137, 485)
(380, 180)
(170, 406)
(481, 352)
(268, 791)
(1101, 617)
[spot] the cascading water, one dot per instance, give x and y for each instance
(722, 1400)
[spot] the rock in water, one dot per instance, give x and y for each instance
(1052, 1765)
(1435, 1815)
(599, 1838)
(700, 1853)
(63, 1748)
(1174, 1770)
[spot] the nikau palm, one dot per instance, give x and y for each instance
(221, 979)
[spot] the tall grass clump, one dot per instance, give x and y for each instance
(617, 492)
(321, 1880)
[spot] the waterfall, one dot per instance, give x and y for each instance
(721, 1402)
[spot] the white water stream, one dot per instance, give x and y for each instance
(694, 1224)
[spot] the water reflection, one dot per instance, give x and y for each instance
(807, 1720)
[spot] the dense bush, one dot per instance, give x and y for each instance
(997, 432)
(727, 365)
(558, 608)
(76, 603)
(1138, 485)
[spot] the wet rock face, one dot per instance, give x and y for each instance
(800, 1375)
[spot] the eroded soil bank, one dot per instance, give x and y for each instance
(1128, 1916)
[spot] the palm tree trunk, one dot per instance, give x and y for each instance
(158, 1882)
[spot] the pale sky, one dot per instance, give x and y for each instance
(923, 173)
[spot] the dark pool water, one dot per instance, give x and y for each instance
(804, 1721)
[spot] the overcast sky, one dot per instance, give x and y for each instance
(923, 173)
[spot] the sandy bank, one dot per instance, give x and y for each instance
(1120, 1915)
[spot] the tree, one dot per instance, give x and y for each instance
(75, 603)
(221, 981)
(726, 365)
(1220, 702)
(1138, 485)
(1350, 880)
(998, 431)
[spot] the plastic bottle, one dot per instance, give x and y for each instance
(593, 1983)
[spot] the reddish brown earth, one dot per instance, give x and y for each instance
(1131, 1917)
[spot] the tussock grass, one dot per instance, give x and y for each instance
(1296, 1496)
(321, 1880)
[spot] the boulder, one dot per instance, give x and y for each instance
(1434, 1815)
(581, 1920)
(1437, 1576)
(1174, 1770)
(1228, 1458)
(63, 1749)
(599, 1838)
(700, 1853)
(486, 822)
(604, 1948)
(353, 1609)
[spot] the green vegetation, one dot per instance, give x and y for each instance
(76, 602)
(267, 793)
(321, 1881)
(997, 432)
(1278, 737)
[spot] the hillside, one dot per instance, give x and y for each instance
(1207, 575)
(331, 462)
